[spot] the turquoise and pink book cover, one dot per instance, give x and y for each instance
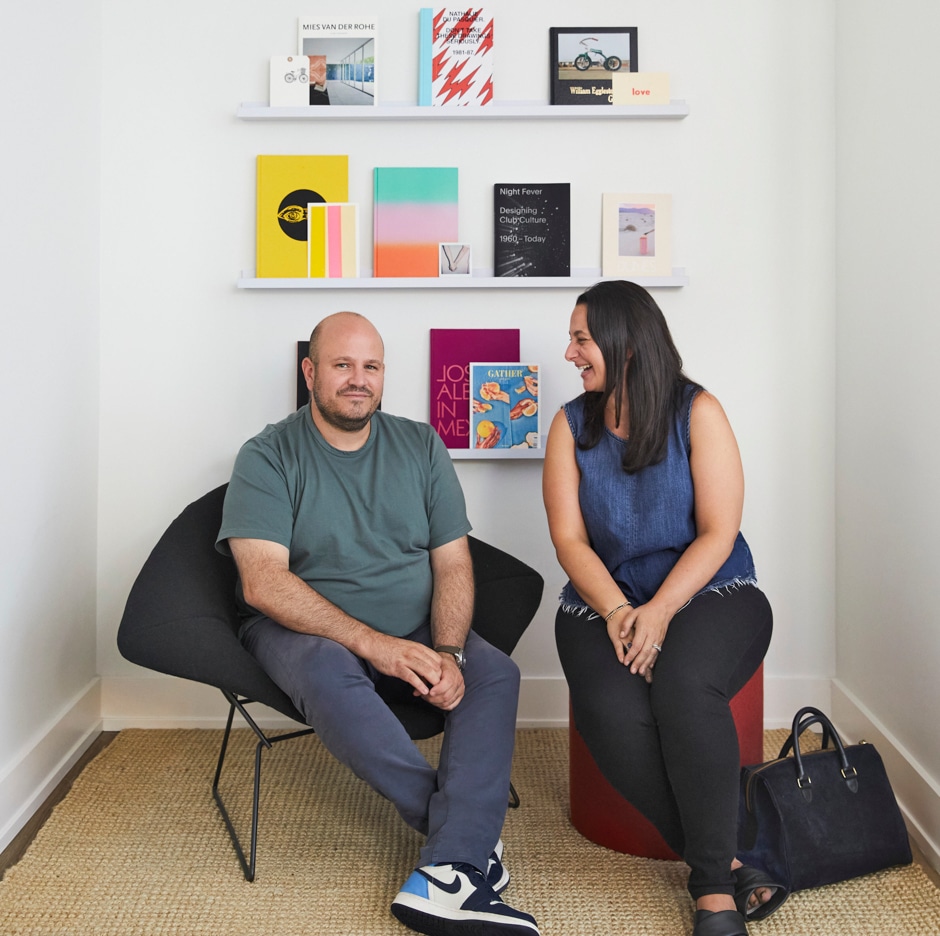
(415, 210)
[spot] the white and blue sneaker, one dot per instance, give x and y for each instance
(496, 874)
(455, 900)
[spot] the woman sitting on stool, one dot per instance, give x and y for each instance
(661, 621)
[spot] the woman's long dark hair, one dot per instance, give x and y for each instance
(627, 325)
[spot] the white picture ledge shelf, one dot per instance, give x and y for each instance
(523, 454)
(580, 279)
(519, 110)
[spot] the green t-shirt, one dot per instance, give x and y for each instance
(358, 525)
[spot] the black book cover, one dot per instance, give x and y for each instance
(532, 229)
(582, 60)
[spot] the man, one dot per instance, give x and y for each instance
(349, 530)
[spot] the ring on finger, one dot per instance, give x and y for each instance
(657, 648)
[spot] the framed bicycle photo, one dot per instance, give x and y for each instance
(636, 235)
(584, 59)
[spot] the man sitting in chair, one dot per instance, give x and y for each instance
(349, 530)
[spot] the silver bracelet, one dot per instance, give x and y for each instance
(626, 604)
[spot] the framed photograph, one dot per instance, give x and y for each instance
(454, 259)
(583, 61)
(637, 234)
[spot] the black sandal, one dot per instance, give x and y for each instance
(719, 923)
(747, 880)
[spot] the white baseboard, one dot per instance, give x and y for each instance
(918, 793)
(32, 774)
(155, 701)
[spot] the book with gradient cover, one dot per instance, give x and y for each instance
(452, 350)
(504, 406)
(532, 229)
(455, 57)
(414, 210)
(285, 186)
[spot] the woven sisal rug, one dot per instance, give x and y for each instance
(137, 848)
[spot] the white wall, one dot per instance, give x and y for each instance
(190, 366)
(888, 450)
(49, 192)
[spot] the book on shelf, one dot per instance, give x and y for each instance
(455, 56)
(636, 234)
(288, 79)
(451, 351)
(583, 61)
(286, 185)
(332, 239)
(342, 59)
(532, 229)
(414, 211)
(504, 406)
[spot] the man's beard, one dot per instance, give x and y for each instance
(331, 413)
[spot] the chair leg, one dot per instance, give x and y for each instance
(247, 863)
(513, 797)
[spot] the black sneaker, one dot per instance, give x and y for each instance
(454, 900)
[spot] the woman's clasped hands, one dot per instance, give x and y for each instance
(637, 635)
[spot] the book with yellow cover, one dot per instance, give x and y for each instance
(286, 185)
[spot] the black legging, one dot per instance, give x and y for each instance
(671, 748)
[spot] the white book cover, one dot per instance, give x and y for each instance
(342, 59)
(290, 75)
(461, 56)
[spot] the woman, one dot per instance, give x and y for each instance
(661, 621)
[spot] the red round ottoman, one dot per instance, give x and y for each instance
(602, 815)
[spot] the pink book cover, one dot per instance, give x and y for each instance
(452, 350)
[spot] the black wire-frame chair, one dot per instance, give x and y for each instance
(181, 619)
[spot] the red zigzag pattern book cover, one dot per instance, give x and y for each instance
(455, 56)
(452, 350)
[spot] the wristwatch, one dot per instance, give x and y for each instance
(457, 653)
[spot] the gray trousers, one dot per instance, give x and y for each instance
(461, 805)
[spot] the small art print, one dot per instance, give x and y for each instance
(637, 231)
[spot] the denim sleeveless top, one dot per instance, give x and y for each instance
(640, 524)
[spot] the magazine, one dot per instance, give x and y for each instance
(504, 406)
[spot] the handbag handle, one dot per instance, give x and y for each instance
(805, 717)
(808, 722)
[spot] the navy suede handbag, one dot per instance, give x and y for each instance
(821, 816)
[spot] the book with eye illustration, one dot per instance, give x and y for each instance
(286, 185)
(504, 406)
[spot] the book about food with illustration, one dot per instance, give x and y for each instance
(342, 59)
(285, 186)
(532, 229)
(583, 60)
(452, 350)
(414, 211)
(504, 405)
(455, 56)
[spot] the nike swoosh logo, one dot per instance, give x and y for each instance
(452, 888)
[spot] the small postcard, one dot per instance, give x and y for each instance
(640, 88)
(504, 406)
(637, 234)
(289, 79)
(332, 240)
(454, 259)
